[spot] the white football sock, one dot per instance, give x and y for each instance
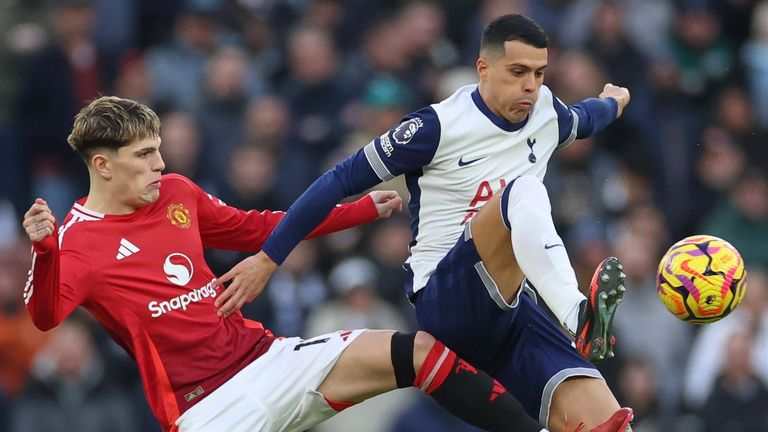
(539, 249)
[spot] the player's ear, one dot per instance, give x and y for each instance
(482, 67)
(101, 166)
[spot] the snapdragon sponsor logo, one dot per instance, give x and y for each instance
(178, 268)
(158, 308)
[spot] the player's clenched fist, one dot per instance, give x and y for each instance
(39, 222)
(386, 202)
(621, 94)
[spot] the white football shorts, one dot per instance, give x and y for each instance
(277, 392)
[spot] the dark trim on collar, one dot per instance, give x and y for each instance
(498, 121)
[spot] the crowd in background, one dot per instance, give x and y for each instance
(259, 97)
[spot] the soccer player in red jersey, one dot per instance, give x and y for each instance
(131, 253)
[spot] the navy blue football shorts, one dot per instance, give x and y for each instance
(517, 343)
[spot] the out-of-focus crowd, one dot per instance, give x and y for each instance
(259, 97)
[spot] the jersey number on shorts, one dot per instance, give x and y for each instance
(310, 342)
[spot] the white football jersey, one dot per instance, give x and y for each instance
(455, 155)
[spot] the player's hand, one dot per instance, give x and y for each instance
(621, 94)
(39, 222)
(248, 278)
(386, 202)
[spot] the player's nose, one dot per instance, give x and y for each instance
(159, 164)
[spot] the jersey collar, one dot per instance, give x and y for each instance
(498, 121)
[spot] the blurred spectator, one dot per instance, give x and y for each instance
(19, 338)
(639, 242)
(735, 17)
(580, 178)
(739, 398)
(9, 223)
(359, 306)
(222, 107)
(487, 12)
(181, 144)
(292, 293)
(422, 23)
(116, 27)
(267, 123)
(382, 52)
(719, 167)
(755, 57)
(611, 47)
(743, 218)
(576, 77)
(177, 68)
(587, 244)
(452, 79)
(326, 14)
(703, 55)
(315, 99)
(734, 114)
(259, 42)
(22, 33)
(638, 387)
(133, 80)
(709, 352)
(648, 22)
(251, 179)
(388, 249)
(57, 81)
(383, 104)
(68, 390)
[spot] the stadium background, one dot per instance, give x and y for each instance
(259, 97)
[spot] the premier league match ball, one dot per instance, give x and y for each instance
(701, 279)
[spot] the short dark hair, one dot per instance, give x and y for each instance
(512, 27)
(112, 122)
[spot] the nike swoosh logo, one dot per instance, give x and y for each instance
(550, 246)
(470, 162)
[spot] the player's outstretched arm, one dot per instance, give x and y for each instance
(620, 94)
(50, 293)
(249, 277)
(592, 115)
(357, 213)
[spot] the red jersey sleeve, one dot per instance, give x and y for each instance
(225, 227)
(58, 282)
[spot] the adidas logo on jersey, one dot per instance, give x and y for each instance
(126, 249)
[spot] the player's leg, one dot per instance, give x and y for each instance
(531, 246)
(512, 339)
(582, 399)
(533, 249)
(380, 361)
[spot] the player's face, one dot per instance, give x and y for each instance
(510, 84)
(136, 170)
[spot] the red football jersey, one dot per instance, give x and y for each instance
(144, 277)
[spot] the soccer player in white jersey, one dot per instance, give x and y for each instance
(481, 222)
(131, 253)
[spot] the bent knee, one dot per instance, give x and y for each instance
(422, 345)
(527, 183)
(525, 192)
